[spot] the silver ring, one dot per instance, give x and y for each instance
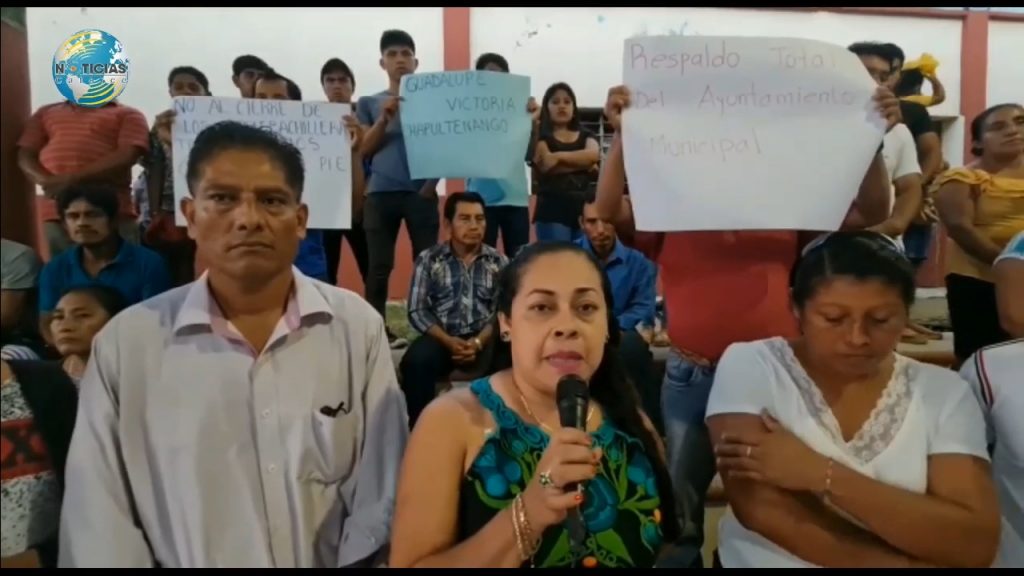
(545, 479)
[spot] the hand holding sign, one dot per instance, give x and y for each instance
(618, 100)
(533, 109)
(164, 123)
(389, 109)
(888, 106)
(355, 130)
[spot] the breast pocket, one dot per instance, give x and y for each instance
(335, 440)
(442, 294)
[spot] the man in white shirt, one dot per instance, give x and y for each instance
(996, 374)
(898, 151)
(251, 418)
(1008, 270)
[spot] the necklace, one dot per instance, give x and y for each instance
(526, 405)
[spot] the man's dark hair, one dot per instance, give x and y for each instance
(271, 75)
(102, 197)
(248, 62)
(876, 49)
(337, 66)
(396, 39)
(860, 254)
(589, 196)
(454, 199)
(230, 135)
(191, 71)
(492, 58)
(896, 55)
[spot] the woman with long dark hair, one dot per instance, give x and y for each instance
(485, 473)
(566, 161)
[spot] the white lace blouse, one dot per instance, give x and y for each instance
(924, 410)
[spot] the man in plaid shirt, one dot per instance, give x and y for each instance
(450, 302)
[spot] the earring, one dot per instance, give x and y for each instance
(505, 336)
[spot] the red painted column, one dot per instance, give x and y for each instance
(973, 100)
(17, 196)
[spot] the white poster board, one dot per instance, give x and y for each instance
(315, 128)
(739, 133)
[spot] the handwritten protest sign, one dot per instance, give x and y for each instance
(470, 124)
(315, 128)
(741, 133)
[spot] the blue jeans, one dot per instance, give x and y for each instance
(917, 242)
(691, 462)
(551, 231)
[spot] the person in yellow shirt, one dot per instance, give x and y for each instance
(982, 207)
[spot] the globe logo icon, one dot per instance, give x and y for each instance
(91, 68)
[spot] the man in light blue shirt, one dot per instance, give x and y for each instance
(634, 293)
(507, 201)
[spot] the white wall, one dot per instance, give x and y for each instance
(1005, 62)
(294, 41)
(583, 46)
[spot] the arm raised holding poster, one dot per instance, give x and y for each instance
(731, 133)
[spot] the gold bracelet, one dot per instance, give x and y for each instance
(828, 480)
(529, 543)
(517, 529)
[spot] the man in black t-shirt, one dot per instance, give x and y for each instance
(918, 238)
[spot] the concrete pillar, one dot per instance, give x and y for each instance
(17, 196)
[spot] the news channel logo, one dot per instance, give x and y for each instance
(91, 68)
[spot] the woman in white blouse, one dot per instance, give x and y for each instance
(836, 451)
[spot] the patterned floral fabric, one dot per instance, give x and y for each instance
(620, 509)
(29, 492)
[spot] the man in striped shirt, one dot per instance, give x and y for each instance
(64, 144)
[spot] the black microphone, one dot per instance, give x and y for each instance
(573, 397)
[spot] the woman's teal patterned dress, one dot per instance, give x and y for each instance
(620, 509)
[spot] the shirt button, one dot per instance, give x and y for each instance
(265, 414)
(271, 468)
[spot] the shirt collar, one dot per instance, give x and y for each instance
(486, 251)
(618, 251)
(123, 256)
(200, 309)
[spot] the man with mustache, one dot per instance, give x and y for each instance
(451, 300)
(248, 419)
